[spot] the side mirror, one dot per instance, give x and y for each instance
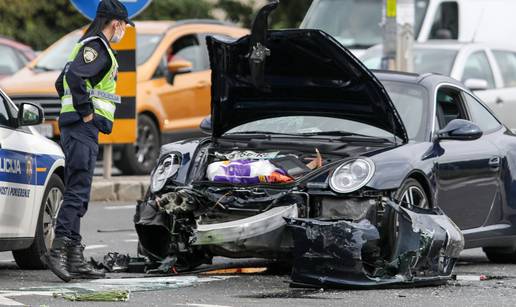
(476, 84)
(177, 67)
(29, 115)
(461, 130)
(206, 125)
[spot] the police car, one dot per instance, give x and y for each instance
(31, 183)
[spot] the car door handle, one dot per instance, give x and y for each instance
(499, 100)
(494, 163)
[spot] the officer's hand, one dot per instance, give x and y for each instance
(87, 118)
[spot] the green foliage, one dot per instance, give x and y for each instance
(289, 13)
(39, 23)
(176, 9)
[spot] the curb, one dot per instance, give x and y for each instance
(129, 189)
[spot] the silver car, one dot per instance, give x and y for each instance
(489, 70)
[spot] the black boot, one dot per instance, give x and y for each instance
(57, 258)
(78, 267)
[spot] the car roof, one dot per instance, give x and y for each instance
(456, 45)
(414, 78)
(14, 44)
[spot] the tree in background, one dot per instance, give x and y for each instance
(176, 9)
(39, 23)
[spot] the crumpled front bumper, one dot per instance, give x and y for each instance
(332, 254)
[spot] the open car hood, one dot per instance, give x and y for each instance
(293, 72)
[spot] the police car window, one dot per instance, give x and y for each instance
(480, 115)
(4, 114)
(187, 48)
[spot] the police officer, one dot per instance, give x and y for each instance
(87, 88)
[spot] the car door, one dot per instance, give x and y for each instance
(505, 105)
(186, 100)
(477, 67)
(17, 176)
(466, 174)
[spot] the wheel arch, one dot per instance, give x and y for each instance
(423, 180)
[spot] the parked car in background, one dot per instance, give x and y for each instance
(13, 56)
(167, 101)
(487, 69)
(357, 23)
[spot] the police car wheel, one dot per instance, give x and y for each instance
(29, 258)
(140, 159)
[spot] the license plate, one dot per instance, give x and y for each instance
(46, 130)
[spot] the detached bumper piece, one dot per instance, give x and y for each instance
(342, 254)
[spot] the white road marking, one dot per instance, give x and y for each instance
(95, 246)
(131, 241)
(4, 301)
(7, 261)
(202, 305)
(124, 207)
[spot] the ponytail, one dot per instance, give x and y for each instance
(96, 27)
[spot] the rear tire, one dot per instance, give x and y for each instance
(140, 158)
(500, 255)
(29, 258)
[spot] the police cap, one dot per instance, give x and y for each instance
(113, 9)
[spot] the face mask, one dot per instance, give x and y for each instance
(119, 34)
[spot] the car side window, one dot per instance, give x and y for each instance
(477, 67)
(187, 48)
(449, 106)
(480, 115)
(5, 119)
(446, 21)
(507, 63)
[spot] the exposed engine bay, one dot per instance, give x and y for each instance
(236, 207)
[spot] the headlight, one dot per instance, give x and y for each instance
(352, 175)
(167, 167)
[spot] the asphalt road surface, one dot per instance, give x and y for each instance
(35, 288)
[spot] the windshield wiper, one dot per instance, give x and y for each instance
(262, 133)
(351, 135)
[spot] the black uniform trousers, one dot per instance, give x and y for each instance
(80, 145)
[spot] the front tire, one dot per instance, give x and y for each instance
(410, 194)
(140, 158)
(29, 258)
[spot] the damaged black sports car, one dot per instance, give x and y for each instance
(354, 178)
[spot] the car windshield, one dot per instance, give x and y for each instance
(425, 60)
(56, 58)
(354, 23)
(410, 102)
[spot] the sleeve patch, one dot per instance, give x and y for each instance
(90, 55)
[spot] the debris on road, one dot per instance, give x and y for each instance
(480, 277)
(100, 296)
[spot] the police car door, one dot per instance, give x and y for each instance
(17, 175)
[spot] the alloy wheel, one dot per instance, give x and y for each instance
(147, 144)
(52, 206)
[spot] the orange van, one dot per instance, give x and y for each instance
(173, 85)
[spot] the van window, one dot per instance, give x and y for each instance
(507, 63)
(446, 21)
(477, 67)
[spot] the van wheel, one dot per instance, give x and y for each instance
(29, 258)
(140, 158)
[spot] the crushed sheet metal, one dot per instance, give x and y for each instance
(238, 230)
(341, 254)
